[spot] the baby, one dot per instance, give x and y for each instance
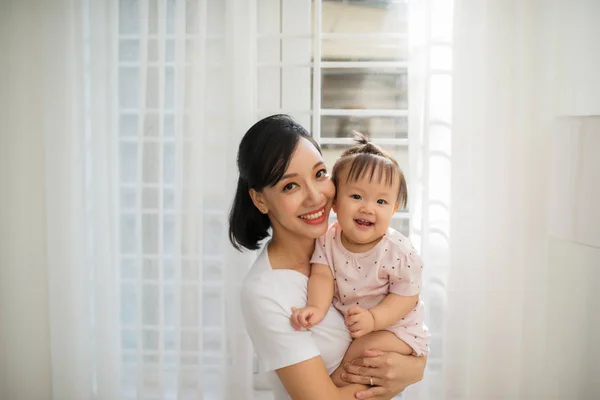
(370, 271)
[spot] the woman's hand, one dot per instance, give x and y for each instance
(391, 372)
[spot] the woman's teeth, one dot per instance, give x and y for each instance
(313, 216)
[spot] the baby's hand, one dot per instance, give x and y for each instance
(359, 322)
(306, 317)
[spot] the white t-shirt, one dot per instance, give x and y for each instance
(267, 298)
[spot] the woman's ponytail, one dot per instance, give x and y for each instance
(247, 225)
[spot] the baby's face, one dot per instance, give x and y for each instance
(365, 209)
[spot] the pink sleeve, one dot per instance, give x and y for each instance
(405, 279)
(320, 255)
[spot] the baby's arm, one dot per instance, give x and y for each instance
(320, 287)
(320, 295)
(391, 309)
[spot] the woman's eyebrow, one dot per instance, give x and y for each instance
(288, 176)
(291, 175)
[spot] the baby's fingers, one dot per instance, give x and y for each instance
(294, 319)
(302, 317)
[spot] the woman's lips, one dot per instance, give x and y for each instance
(314, 217)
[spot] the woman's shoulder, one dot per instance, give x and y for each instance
(264, 286)
(258, 270)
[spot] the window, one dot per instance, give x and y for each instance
(337, 66)
(172, 300)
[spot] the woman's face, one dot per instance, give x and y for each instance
(299, 203)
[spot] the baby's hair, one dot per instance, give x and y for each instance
(366, 159)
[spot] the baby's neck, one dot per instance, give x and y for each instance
(358, 247)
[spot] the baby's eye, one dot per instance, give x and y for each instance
(289, 186)
(381, 201)
(356, 196)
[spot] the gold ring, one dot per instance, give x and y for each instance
(371, 380)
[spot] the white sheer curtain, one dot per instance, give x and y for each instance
(522, 303)
(120, 123)
(430, 135)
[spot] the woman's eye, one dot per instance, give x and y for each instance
(289, 186)
(322, 173)
(381, 201)
(356, 196)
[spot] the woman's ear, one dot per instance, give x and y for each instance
(333, 206)
(259, 201)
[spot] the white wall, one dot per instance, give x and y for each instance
(574, 281)
(24, 330)
(574, 202)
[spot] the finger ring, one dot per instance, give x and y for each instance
(371, 380)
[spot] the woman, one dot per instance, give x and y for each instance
(283, 185)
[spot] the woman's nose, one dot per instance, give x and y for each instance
(314, 195)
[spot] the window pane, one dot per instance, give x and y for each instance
(128, 125)
(364, 88)
(128, 162)
(129, 50)
(269, 50)
(364, 49)
(269, 88)
(296, 88)
(150, 233)
(359, 16)
(297, 51)
(150, 162)
(150, 199)
(129, 86)
(150, 268)
(128, 234)
(374, 127)
(268, 13)
(129, 19)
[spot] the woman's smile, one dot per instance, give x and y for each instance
(314, 217)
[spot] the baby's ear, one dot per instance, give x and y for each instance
(333, 206)
(396, 207)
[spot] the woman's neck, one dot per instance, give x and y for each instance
(287, 252)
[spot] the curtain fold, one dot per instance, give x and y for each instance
(430, 135)
(517, 312)
(126, 118)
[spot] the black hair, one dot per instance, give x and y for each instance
(365, 159)
(263, 156)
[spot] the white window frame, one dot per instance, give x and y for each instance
(315, 112)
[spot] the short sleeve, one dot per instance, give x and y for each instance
(406, 278)
(321, 255)
(276, 343)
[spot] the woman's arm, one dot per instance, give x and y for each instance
(395, 372)
(308, 380)
(391, 309)
(292, 354)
